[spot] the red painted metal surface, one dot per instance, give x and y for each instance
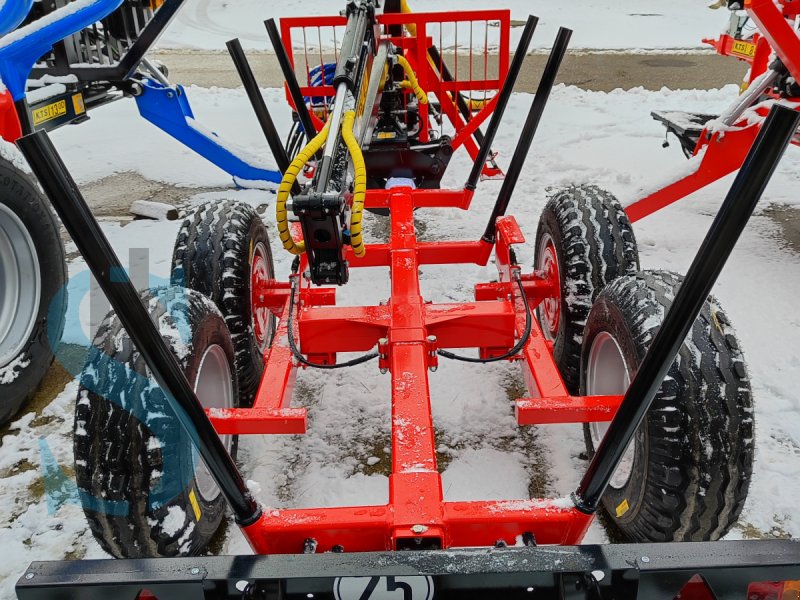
(408, 331)
(10, 128)
(721, 151)
(417, 514)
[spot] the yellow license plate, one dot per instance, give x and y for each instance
(49, 112)
(740, 48)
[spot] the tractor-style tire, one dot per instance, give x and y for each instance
(584, 239)
(221, 249)
(686, 474)
(32, 279)
(144, 490)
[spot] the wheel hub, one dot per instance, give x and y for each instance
(260, 276)
(607, 374)
(550, 308)
(214, 389)
(20, 285)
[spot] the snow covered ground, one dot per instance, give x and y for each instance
(607, 139)
(617, 25)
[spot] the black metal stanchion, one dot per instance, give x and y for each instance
(291, 80)
(528, 131)
(112, 278)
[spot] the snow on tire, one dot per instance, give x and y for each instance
(686, 474)
(585, 240)
(221, 249)
(144, 490)
(32, 278)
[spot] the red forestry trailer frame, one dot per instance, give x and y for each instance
(409, 331)
(718, 146)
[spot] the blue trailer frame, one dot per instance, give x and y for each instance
(164, 105)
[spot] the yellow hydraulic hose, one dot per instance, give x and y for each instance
(281, 215)
(412, 82)
(359, 183)
(406, 9)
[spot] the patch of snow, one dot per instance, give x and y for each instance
(172, 523)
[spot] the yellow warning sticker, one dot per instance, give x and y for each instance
(741, 48)
(49, 112)
(78, 104)
(622, 508)
(195, 505)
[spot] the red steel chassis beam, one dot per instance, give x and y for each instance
(417, 514)
(719, 153)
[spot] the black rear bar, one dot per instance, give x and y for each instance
(528, 130)
(775, 135)
(115, 283)
(621, 572)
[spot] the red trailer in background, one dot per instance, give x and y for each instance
(717, 145)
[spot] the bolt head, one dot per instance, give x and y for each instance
(195, 571)
(418, 529)
(29, 576)
(645, 559)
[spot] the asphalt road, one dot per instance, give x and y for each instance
(598, 71)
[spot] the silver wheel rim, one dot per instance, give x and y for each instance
(20, 286)
(607, 374)
(262, 317)
(214, 389)
(549, 328)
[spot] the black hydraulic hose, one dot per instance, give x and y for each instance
(302, 359)
(517, 347)
(739, 204)
(528, 131)
(502, 102)
(115, 283)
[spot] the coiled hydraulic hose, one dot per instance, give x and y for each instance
(281, 215)
(412, 82)
(359, 183)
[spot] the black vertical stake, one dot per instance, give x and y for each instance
(529, 130)
(775, 135)
(291, 80)
(260, 107)
(502, 102)
(257, 101)
(112, 278)
(24, 116)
